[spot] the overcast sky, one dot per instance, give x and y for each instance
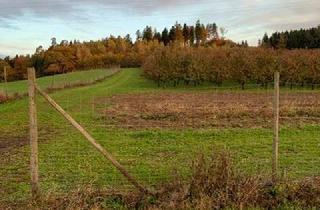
(26, 24)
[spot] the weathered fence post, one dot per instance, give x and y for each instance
(93, 142)
(276, 126)
(5, 81)
(33, 133)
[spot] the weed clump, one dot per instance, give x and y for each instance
(6, 98)
(215, 184)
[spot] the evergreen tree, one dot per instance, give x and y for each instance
(53, 42)
(139, 35)
(147, 33)
(198, 32)
(265, 40)
(201, 33)
(157, 36)
(172, 34)
(212, 31)
(192, 35)
(128, 38)
(295, 39)
(186, 34)
(165, 37)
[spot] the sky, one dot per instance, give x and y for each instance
(27, 24)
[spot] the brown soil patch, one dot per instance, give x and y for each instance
(11, 141)
(205, 110)
(6, 144)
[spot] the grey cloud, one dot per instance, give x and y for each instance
(244, 11)
(62, 8)
(242, 18)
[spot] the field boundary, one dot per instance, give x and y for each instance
(16, 96)
(34, 88)
(33, 128)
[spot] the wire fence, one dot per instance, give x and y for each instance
(157, 134)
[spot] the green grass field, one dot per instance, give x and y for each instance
(56, 81)
(151, 155)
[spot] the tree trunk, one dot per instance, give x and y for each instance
(242, 85)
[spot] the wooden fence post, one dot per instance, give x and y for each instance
(5, 80)
(33, 133)
(276, 126)
(92, 141)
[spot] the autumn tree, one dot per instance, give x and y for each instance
(212, 30)
(200, 33)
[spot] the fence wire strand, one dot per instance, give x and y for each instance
(158, 134)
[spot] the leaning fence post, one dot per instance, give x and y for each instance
(93, 142)
(5, 80)
(276, 126)
(33, 133)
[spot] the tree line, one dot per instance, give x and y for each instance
(68, 56)
(294, 39)
(180, 65)
(72, 56)
(187, 35)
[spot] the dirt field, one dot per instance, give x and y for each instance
(205, 110)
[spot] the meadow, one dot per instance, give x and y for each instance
(155, 153)
(56, 81)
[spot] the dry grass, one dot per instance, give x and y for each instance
(215, 184)
(75, 85)
(207, 110)
(6, 98)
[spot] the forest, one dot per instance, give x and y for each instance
(68, 56)
(294, 39)
(199, 41)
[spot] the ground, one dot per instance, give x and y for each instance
(150, 152)
(56, 81)
(207, 110)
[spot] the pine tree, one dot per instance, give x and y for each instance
(139, 35)
(147, 33)
(212, 31)
(53, 42)
(165, 37)
(186, 34)
(157, 36)
(198, 32)
(172, 34)
(192, 35)
(265, 41)
(201, 33)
